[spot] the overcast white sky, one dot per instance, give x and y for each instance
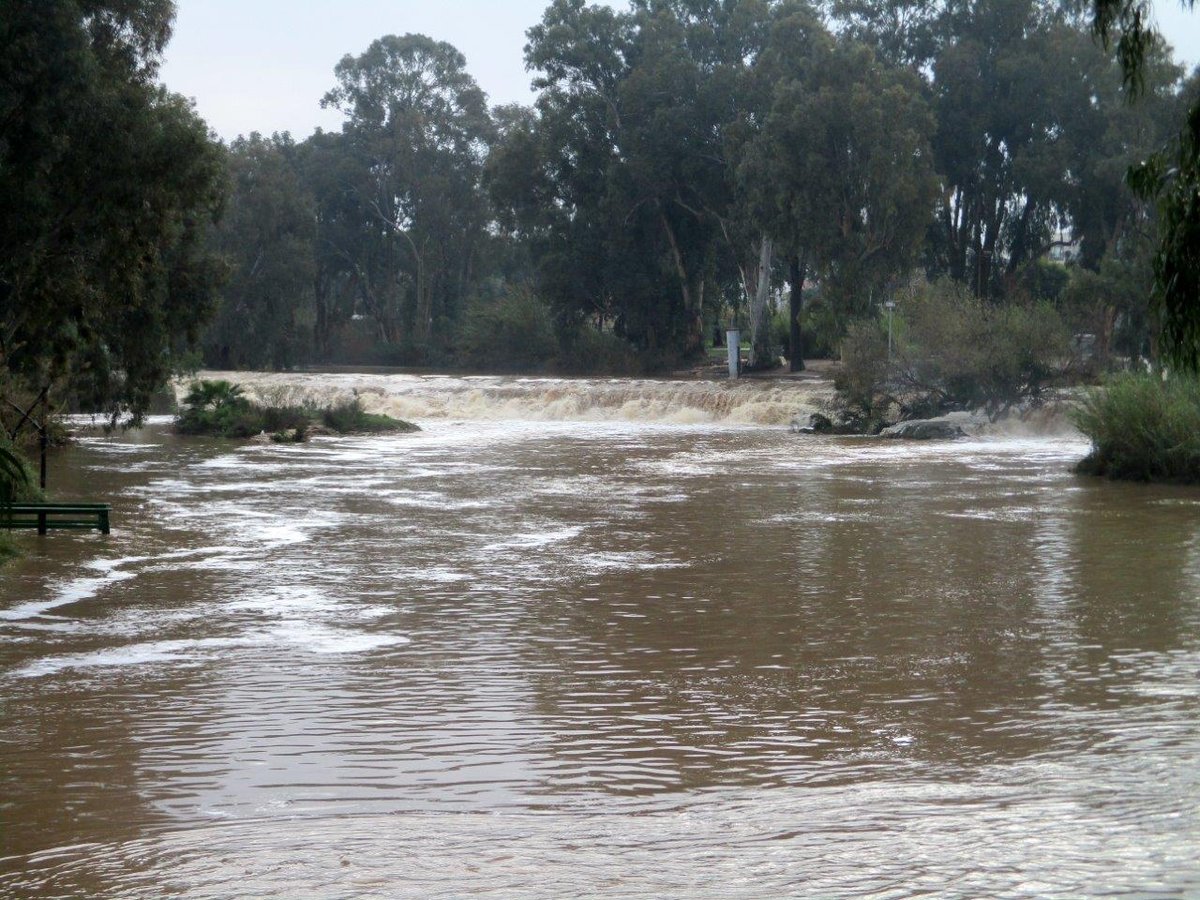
(263, 65)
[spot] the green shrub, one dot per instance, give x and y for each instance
(17, 483)
(1143, 428)
(952, 351)
(17, 479)
(589, 351)
(862, 403)
(275, 419)
(349, 417)
(217, 408)
(514, 333)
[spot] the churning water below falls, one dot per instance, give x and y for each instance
(601, 639)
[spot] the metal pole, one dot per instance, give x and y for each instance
(733, 344)
(43, 440)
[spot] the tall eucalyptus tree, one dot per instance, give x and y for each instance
(418, 128)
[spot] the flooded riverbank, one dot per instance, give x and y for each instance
(612, 650)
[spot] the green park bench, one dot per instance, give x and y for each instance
(45, 516)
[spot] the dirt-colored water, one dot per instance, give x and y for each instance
(621, 654)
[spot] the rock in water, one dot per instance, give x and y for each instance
(924, 430)
(817, 424)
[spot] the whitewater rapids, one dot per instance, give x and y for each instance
(499, 398)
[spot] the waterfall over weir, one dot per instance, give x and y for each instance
(745, 402)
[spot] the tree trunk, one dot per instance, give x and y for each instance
(424, 318)
(321, 327)
(760, 325)
(795, 307)
(693, 301)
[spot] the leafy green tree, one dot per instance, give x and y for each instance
(1034, 133)
(673, 158)
(1110, 134)
(107, 185)
(267, 235)
(590, 178)
(1171, 180)
(1000, 92)
(329, 172)
(624, 181)
(843, 171)
(417, 129)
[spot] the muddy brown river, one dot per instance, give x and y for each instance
(601, 639)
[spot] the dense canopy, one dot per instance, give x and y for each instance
(686, 166)
(108, 185)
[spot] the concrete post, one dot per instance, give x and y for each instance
(733, 342)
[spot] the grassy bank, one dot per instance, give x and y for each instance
(221, 409)
(8, 548)
(1143, 429)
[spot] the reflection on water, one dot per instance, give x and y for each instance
(605, 657)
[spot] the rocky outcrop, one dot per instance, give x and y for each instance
(817, 424)
(924, 430)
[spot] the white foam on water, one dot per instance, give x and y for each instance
(431, 574)
(286, 599)
(612, 561)
(112, 571)
(298, 600)
(132, 655)
(325, 640)
(74, 591)
(534, 539)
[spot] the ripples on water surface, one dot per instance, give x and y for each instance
(566, 658)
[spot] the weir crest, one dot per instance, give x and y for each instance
(498, 398)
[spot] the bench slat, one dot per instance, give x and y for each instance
(58, 516)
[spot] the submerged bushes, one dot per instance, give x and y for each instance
(1143, 428)
(349, 417)
(221, 409)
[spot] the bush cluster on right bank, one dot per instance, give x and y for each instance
(1143, 428)
(949, 350)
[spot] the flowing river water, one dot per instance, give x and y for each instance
(601, 638)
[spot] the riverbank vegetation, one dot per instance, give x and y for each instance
(221, 409)
(787, 168)
(1143, 427)
(17, 483)
(686, 167)
(109, 187)
(948, 351)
